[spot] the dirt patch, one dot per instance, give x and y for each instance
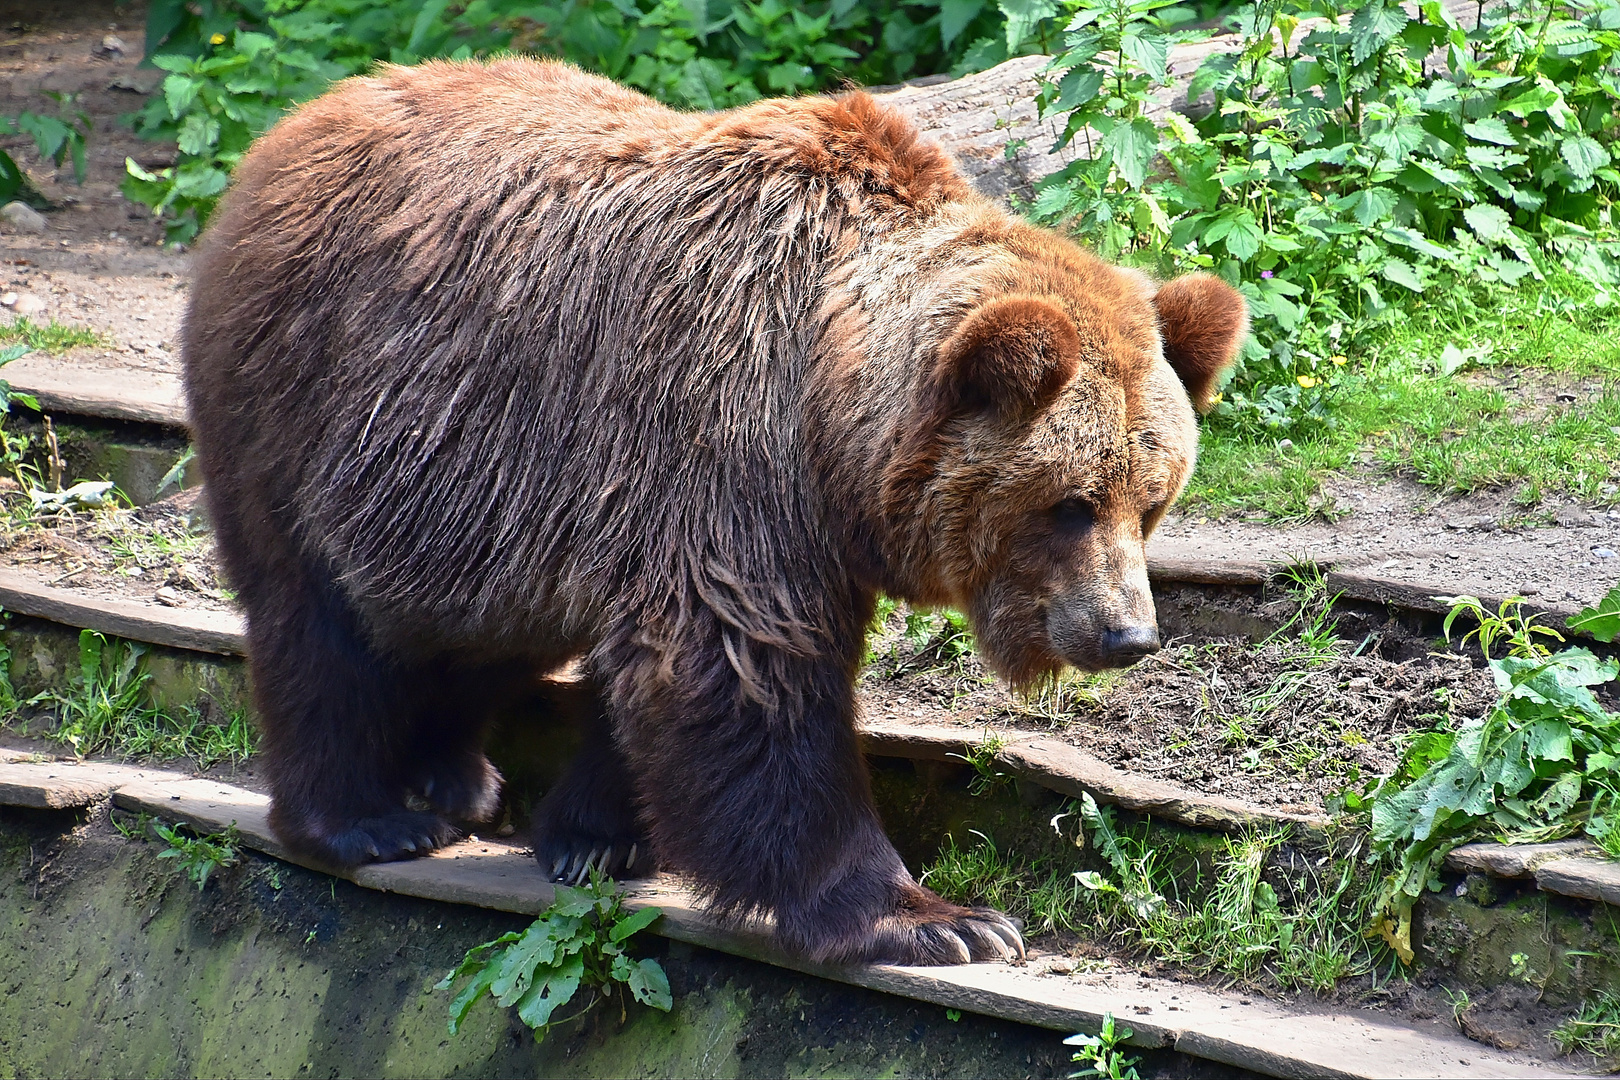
(1284, 724)
(158, 553)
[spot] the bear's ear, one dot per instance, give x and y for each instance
(1204, 322)
(1013, 354)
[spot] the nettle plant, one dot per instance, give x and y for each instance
(1339, 161)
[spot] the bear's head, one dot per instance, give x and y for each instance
(1052, 432)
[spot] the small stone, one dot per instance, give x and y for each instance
(1574, 517)
(168, 597)
(8, 299)
(112, 45)
(1453, 554)
(1285, 445)
(1528, 590)
(1604, 553)
(22, 217)
(28, 304)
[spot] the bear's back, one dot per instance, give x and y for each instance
(465, 326)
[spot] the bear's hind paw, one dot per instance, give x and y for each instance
(572, 863)
(403, 835)
(471, 793)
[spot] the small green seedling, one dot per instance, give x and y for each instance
(1594, 1029)
(1101, 1054)
(953, 1015)
(200, 855)
(983, 760)
(580, 939)
(1509, 624)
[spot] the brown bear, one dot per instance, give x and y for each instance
(495, 366)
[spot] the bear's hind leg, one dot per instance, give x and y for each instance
(336, 718)
(456, 701)
(589, 818)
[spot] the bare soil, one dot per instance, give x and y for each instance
(1283, 724)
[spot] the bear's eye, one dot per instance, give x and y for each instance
(1073, 515)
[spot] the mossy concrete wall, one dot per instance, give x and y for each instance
(113, 964)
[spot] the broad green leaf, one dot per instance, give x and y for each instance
(954, 16)
(1148, 49)
(1133, 146)
(1549, 740)
(1372, 27)
(1401, 273)
(1583, 155)
(572, 902)
(463, 1002)
(1603, 621)
(1243, 239)
(1490, 129)
(1489, 223)
(1022, 17)
(632, 923)
(179, 92)
(649, 985)
(553, 989)
(1076, 88)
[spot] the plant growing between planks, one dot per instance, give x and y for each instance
(581, 939)
(1542, 764)
(199, 856)
(1101, 1054)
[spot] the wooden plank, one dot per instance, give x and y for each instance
(181, 628)
(1258, 1035)
(1511, 860)
(87, 389)
(1250, 573)
(1590, 878)
(1072, 771)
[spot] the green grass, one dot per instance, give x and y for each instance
(1397, 411)
(1231, 911)
(1594, 1029)
(53, 337)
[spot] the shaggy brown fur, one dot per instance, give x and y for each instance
(492, 366)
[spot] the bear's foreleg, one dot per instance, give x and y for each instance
(770, 809)
(589, 819)
(339, 727)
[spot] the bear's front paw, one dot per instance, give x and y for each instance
(920, 928)
(385, 838)
(468, 791)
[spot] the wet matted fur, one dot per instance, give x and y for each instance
(492, 366)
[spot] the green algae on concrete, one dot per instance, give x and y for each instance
(114, 965)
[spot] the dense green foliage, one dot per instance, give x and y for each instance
(235, 65)
(1354, 158)
(1542, 764)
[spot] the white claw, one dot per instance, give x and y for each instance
(557, 867)
(630, 860)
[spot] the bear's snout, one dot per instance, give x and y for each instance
(1125, 645)
(1093, 639)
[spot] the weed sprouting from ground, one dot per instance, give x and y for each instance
(1595, 1029)
(982, 759)
(1101, 1054)
(199, 856)
(581, 939)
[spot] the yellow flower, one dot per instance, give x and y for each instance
(217, 39)
(1216, 400)
(1307, 381)
(1340, 360)
(1317, 195)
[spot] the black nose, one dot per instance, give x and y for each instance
(1127, 645)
